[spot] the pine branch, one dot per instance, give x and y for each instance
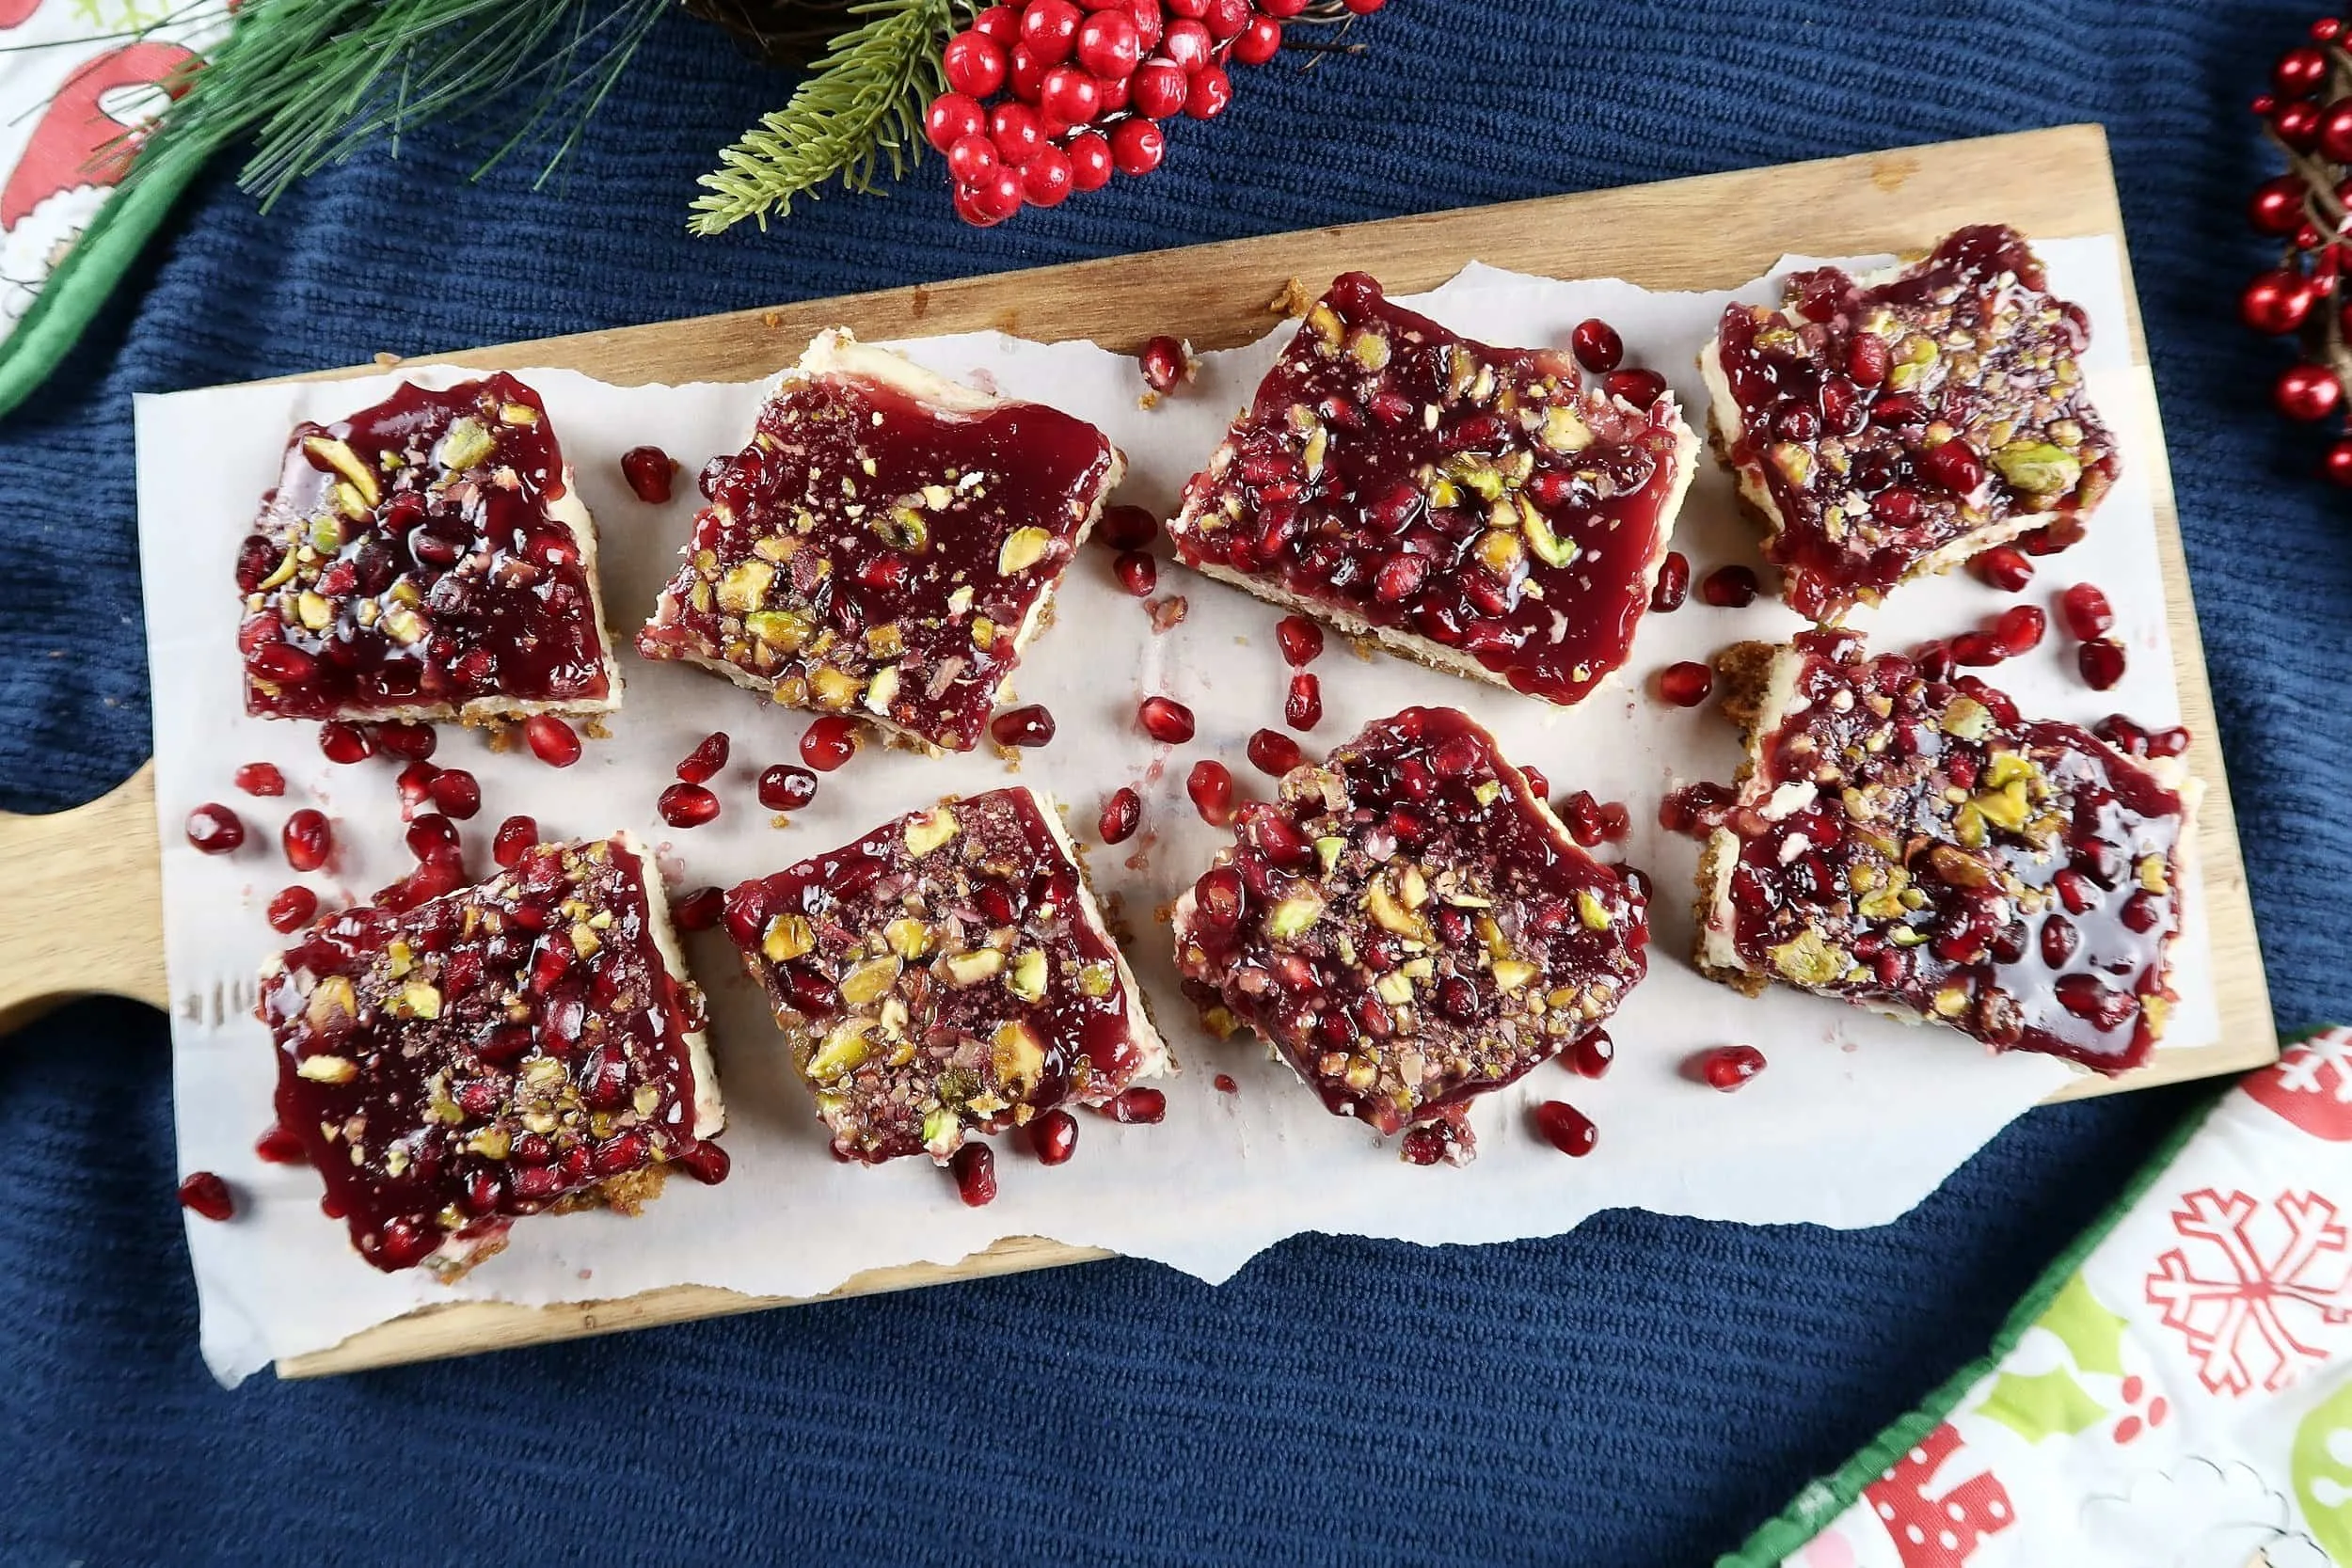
(859, 106)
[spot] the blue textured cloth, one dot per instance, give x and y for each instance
(1641, 1392)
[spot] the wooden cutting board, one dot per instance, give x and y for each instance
(83, 914)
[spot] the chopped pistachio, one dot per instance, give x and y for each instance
(970, 969)
(339, 455)
(783, 630)
(931, 829)
(745, 586)
(327, 1070)
(1809, 959)
(468, 442)
(870, 979)
(1024, 548)
(1295, 914)
(2039, 467)
(1026, 979)
(789, 936)
(844, 1051)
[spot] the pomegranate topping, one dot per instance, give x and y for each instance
(2004, 567)
(206, 1195)
(552, 741)
(703, 763)
(1139, 573)
(279, 1146)
(974, 1168)
(308, 839)
(1597, 346)
(1686, 684)
(1165, 362)
(649, 472)
(1382, 458)
(1053, 1137)
(688, 805)
(967, 932)
(1673, 585)
(784, 788)
(1273, 753)
(1886, 425)
(1566, 1127)
(293, 909)
(414, 742)
(2125, 736)
(2019, 628)
(2101, 661)
(345, 743)
(829, 742)
(1301, 639)
(216, 830)
(698, 910)
(1140, 1108)
(1127, 527)
(1581, 814)
(1730, 587)
(1537, 784)
(261, 778)
(514, 839)
(1021, 726)
(1730, 1067)
(456, 792)
(1122, 814)
(1211, 786)
(1166, 721)
(1594, 1054)
(2088, 613)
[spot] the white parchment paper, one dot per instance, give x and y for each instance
(1856, 1120)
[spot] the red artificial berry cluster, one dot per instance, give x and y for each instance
(2309, 113)
(1047, 97)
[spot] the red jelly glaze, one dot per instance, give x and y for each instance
(698, 910)
(1729, 1066)
(207, 1196)
(784, 788)
(216, 830)
(649, 472)
(513, 840)
(412, 1056)
(261, 779)
(1361, 505)
(1021, 726)
(702, 764)
(1424, 789)
(1122, 814)
(974, 1168)
(1300, 639)
(293, 909)
(1053, 1137)
(447, 585)
(1673, 585)
(1566, 1127)
(1732, 587)
(1302, 709)
(829, 742)
(1164, 719)
(308, 839)
(688, 805)
(1274, 753)
(2048, 816)
(891, 578)
(1210, 785)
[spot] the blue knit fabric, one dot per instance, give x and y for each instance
(1641, 1392)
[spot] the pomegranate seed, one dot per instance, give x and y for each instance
(2095, 1001)
(1537, 784)
(261, 778)
(552, 741)
(207, 1196)
(1597, 346)
(2167, 743)
(292, 909)
(829, 742)
(1729, 1066)
(700, 910)
(1729, 588)
(1053, 1136)
(1614, 821)
(2087, 611)
(1162, 363)
(2051, 539)
(1139, 1107)
(456, 792)
(784, 788)
(2004, 567)
(974, 1168)
(1674, 584)
(343, 742)
(2142, 911)
(432, 838)
(2074, 891)
(1122, 814)
(1686, 684)
(281, 662)
(1592, 1055)
(307, 840)
(1301, 639)
(1566, 1127)
(415, 785)
(687, 805)
(1127, 527)
(1637, 387)
(216, 830)
(1303, 708)
(514, 838)
(1425, 1143)
(1022, 726)
(413, 741)
(2058, 940)
(703, 763)
(1400, 577)
(1581, 814)
(1977, 648)
(1218, 898)
(1211, 787)
(648, 470)
(1139, 573)
(2019, 628)
(2101, 661)
(1166, 721)
(1274, 753)
(279, 1147)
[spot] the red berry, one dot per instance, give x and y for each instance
(292, 908)
(431, 838)
(204, 1195)
(2019, 629)
(1053, 1136)
(1728, 587)
(1274, 753)
(952, 117)
(1001, 23)
(2004, 567)
(2296, 123)
(648, 470)
(1259, 42)
(343, 742)
(1162, 363)
(1303, 708)
(784, 788)
(2338, 463)
(1211, 786)
(1017, 133)
(1000, 196)
(1226, 19)
(2306, 392)
(687, 805)
(1127, 527)
(1566, 1127)
(1137, 145)
(2277, 207)
(1674, 584)
(2101, 661)
(2299, 71)
(1139, 1107)
(1071, 94)
(1021, 726)
(2279, 301)
(829, 742)
(1592, 1055)
(973, 160)
(975, 64)
(974, 1168)
(1211, 91)
(1110, 43)
(456, 792)
(2087, 610)
(1050, 28)
(261, 778)
(1597, 346)
(307, 839)
(1165, 719)
(1139, 573)
(1188, 44)
(552, 741)
(1047, 180)
(1729, 1066)
(1686, 684)
(514, 839)
(1089, 162)
(1122, 814)
(709, 754)
(1301, 639)
(1365, 7)
(1157, 88)
(1639, 387)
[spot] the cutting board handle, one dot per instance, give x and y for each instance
(81, 904)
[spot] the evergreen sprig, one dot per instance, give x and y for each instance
(859, 107)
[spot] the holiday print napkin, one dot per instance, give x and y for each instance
(2175, 1393)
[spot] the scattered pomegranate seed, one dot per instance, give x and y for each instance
(292, 908)
(974, 1168)
(1053, 1136)
(2018, 631)
(648, 470)
(1139, 1107)
(216, 830)
(1597, 346)
(414, 741)
(1163, 364)
(261, 778)
(1224, 1083)
(514, 838)
(703, 763)
(552, 741)
(1592, 1055)
(1729, 1066)
(2051, 539)
(307, 840)
(784, 788)
(1566, 1127)
(279, 1146)
(700, 910)
(2003, 567)
(1303, 708)
(207, 1196)
(1122, 814)
(1581, 814)
(457, 793)
(343, 742)
(1614, 821)
(1686, 684)
(1977, 648)
(1425, 1143)
(1139, 573)
(2087, 611)
(1165, 719)
(1274, 753)
(2167, 743)
(2101, 661)
(433, 839)
(1021, 726)
(1674, 584)
(1127, 527)
(415, 786)
(829, 742)
(1301, 639)
(1639, 387)
(1729, 587)
(1211, 786)
(687, 805)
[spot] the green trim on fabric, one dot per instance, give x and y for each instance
(94, 266)
(1817, 1506)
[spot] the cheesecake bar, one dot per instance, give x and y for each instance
(1409, 925)
(531, 1044)
(1913, 845)
(1893, 427)
(425, 559)
(1475, 509)
(886, 545)
(945, 975)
